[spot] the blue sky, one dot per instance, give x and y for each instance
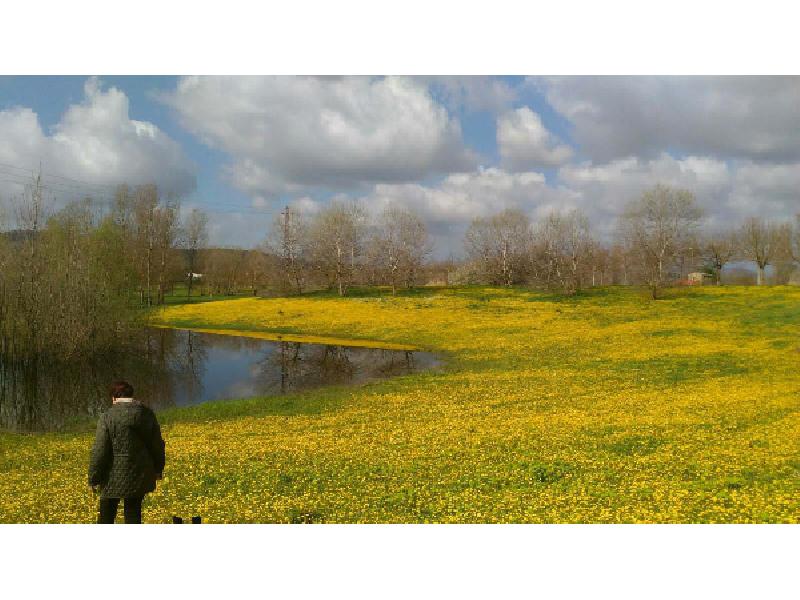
(451, 148)
(49, 97)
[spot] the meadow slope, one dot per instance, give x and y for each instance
(606, 407)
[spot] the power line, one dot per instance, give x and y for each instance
(71, 185)
(50, 181)
(33, 172)
(59, 189)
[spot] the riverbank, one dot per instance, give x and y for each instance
(606, 407)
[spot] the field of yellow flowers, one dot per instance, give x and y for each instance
(605, 407)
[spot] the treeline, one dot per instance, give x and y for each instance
(339, 246)
(76, 278)
(72, 280)
(658, 241)
(63, 282)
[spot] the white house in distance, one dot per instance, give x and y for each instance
(699, 278)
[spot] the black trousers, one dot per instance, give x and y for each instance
(132, 510)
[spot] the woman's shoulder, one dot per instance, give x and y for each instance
(144, 409)
(126, 408)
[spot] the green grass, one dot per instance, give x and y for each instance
(603, 407)
(179, 295)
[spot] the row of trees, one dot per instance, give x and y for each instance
(339, 246)
(659, 240)
(162, 250)
(507, 248)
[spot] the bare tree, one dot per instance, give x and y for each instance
(657, 227)
(288, 239)
(195, 237)
(256, 266)
(145, 202)
(399, 246)
(719, 248)
(563, 247)
(166, 229)
(619, 264)
(760, 242)
(337, 240)
(599, 264)
(123, 207)
(499, 245)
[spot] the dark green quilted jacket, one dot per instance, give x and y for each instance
(128, 451)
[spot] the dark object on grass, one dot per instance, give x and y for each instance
(196, 520)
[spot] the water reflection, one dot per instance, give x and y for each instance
(293, 366)
(180, 368)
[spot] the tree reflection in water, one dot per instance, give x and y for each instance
(296, 366)
(180, 367)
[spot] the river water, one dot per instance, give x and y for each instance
(171, 367)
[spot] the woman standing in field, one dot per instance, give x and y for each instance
(127, 457)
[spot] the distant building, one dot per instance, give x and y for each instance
(699, 278)
(194, 276)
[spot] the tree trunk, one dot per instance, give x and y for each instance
(161, 276)
(339, 269)
(660, 273)
(507, 278)
(191, 278)
(149, 254)
(298, 281)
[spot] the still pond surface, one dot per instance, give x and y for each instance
(173, 368)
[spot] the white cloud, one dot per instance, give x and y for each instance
(524, 143)
(449, 206)
(95, 142)
(289, 134)
(606, 189)
(728, 192)
(734, 117)
(385, 139)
